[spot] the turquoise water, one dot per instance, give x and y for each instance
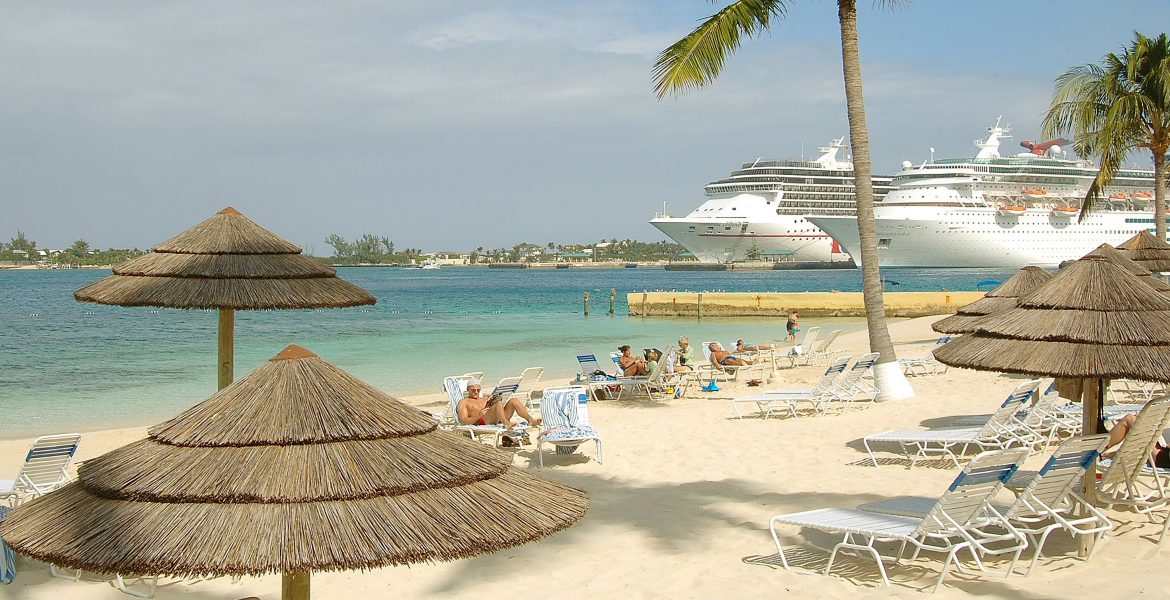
(73, 366)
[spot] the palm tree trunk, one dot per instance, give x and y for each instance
(1160, 193)
(891, 383)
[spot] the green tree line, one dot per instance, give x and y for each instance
(369, 249)
(24, 249)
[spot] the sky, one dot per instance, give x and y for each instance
(463, 123)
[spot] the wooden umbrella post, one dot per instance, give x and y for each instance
(295, 585)
(227, 346)
(1091, 401)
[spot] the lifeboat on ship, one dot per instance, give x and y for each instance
(1065, 211)
(1037, 194)
(1141, 196)
(1012, 211)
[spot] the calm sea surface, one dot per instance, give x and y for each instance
(71, 366)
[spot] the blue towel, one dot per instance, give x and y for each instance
(8, 569)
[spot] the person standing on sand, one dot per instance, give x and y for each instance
(793, 326)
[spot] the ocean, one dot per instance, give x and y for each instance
(82, 367)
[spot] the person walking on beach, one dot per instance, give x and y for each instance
(475, 410)
(793, 326)
(631, 365)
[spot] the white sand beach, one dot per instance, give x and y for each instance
(680, 509)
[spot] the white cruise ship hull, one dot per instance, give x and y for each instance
(724, 241)
(934, 236)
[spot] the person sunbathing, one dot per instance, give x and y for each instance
(686, 356)
(741, 346)
(723, 358)
(476, 410)
(1121, 429)
(631, 365)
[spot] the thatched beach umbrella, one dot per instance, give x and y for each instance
(1094, 321)
(297, 467)
(1119, 258)
(1001, 298)
(228, 263)
(1148, 251)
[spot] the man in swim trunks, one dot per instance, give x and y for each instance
(723, 358)
(793, 326)
(476, 410)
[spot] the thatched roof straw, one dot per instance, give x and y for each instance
(1092, 320)
(1148, 251)
(227, 261)
(298, 466)
(1001, 298)
(1119, 258)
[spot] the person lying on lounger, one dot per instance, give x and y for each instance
(631, 365)
(741, 346)
(1121, 429)
(724, 358)
(476, 410)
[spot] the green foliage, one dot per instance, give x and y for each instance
(369, 249)
(1117, 106)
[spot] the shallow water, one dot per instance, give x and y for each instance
(73, 366)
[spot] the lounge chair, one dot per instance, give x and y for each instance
(823, 349)
(1046, 501)
(529, 379)
(821, 393)
(599, 379)
(663, 382)
(856, 381)
(800, 353)
(45, 468)
(1000, 431)
(943, 529)
(566, 421)
(1129, 479)
(926, 365)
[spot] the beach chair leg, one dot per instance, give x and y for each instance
(865, 442)
(120, 583)
(600, 456)
(947, 564)
(60, 573)
(779, 546)
(868, 548)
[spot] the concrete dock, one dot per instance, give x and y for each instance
(779, 304)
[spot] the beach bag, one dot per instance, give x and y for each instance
(796, 350)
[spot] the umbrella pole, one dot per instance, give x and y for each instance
(227, 346)
(294, 586)
(1094, 397)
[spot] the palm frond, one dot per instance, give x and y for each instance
(697, 59)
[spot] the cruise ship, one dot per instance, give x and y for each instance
(759, 211)
(996, 211)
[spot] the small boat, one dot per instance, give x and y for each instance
(1012, 211)
(1065, 211)
(562, 266)
(1035, 194)
(1141, 196)
(631, 265)
(429, 264)
(1121, 197)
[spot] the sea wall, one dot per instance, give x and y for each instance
(777, 304)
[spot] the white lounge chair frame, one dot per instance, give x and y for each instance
(817, 396)
(943, 529)
(45, 468)
(1000, 431)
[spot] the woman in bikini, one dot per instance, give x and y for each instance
(631, 365)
